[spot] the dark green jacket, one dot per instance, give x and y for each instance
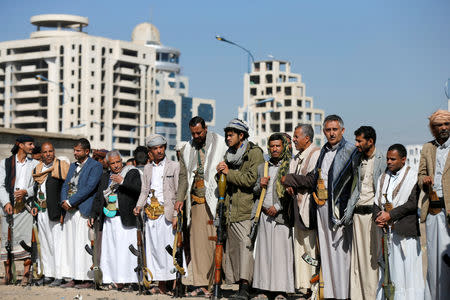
(240, 183)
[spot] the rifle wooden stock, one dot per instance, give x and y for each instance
(10, 270)
(221, 237)
(254, 228)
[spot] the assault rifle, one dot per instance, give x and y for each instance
(142, 271)
(34, 250)
(388, 285)
(10, 275)
(254, 229)
(177, 253)
(220, 223)
(92, 250)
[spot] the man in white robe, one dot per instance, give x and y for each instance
(77, 195)
(305, 223)
(114, 203)
(157, 199)
(395, 210)
(274, 256)
(49, 176)
(16, 188)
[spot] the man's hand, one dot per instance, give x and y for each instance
(272, 211)
(34, 211)
(428, 180)
(90, 222)
(290, 191)
(116, 178)
(264, 181)
(8, 209)
(222, 168)
(65, 205)
(178, 206)
(174, 223)
(137, 210)
(382, 219)
(20, 194)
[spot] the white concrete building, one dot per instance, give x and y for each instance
(275, 101)
(63, 80)
(413, 156)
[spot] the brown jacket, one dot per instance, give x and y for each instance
(427, 168)
(170, 186)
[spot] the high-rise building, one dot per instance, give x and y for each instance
(413, 156)
(275, 101)
(64, 80)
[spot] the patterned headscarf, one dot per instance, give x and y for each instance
(285, 158)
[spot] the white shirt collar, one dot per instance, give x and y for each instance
(161, 163)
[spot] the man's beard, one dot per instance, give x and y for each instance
(443, 134)
(198, 143)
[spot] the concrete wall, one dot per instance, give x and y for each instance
(63, 143)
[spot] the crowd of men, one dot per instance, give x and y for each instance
(338, 222)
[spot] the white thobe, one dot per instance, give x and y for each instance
(159, 233)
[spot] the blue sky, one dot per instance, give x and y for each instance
(380, 63)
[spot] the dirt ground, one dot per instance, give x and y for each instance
(46, 293)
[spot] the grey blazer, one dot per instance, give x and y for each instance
(379, 166)
(170, 186)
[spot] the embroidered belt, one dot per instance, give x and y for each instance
(197, 200)
(363, 209)
(154, 209)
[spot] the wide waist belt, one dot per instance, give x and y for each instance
(197, 200)
(41, 204)
(153, 211)
(363, 209)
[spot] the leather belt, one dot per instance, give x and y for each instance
(363, 209)
(197, 200)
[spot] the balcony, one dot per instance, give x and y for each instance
(29, 106)
(127, 71)
(28, 81)
(127, 83)
(29, 94)
(28, 119)
(126, 108)
(126, 96)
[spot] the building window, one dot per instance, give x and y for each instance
(275, 115)
(73, 47)
(93, 47)
(92, 73)
(92, 60)
(73, 59)
(299, 115)
(166, 108)
(308, 116)
(92, 112)
(254, 79)
(92, 86)
(317, 129)
(318, 118)
(275, 127)
(287, 102)
(288, 115)
(172, 84)
(92, 100)
(299, 102)
(206, 112)
(268, 66)
(182, 86)
(288, 91)
(269, 78)
(73, 72)
(308, 104)
(72, 85)
(288, 127)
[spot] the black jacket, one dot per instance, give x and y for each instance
(127, 193)
(405, 216)
(53, 190)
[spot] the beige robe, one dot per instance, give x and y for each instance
(305, 240)
(366, 240)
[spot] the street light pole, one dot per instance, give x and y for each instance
(250, 55)
(43, 78)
